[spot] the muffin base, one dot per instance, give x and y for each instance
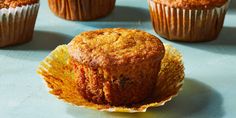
(17, 24)
(82, 10)
(119, 85)
(187, 25)
(60, 78)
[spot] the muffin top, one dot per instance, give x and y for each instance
(115, 47)
(193, 4)
(16, 3)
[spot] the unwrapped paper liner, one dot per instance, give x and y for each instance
(58, 75)
(17, 24)
(191, 25)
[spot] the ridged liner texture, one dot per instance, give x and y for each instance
(17, 24)
(189, 25)
(59, 76)
(82, 10)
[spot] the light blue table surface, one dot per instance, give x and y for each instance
(209, 90)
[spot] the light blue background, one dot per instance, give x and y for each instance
(209, 90)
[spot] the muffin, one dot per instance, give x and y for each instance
(17, 21)
(81, 9)
(115, 66)
(58, 74)
(188, 20)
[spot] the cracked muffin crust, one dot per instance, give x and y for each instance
(116, 66)
(16, 3)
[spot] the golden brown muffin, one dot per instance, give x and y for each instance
(59, 77)
(116, 66)
(16, 3)
(81, 9)
(17, 21)
(188, 20)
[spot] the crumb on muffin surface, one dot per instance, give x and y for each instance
(16, 3)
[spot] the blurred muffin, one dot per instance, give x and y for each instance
(116, 66)
(188, 20)
(81, 9)
(17, 21)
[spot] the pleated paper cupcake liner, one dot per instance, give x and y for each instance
(186, 24)
(59, 76)
(17, 24)
(81, 9)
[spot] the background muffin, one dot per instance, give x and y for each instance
(116, 66)
(81, 9)
(17, 21)
(188, 20)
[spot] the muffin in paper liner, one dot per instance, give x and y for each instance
(59, 76)
(17, 24)
(189, 25)
(82, 10)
